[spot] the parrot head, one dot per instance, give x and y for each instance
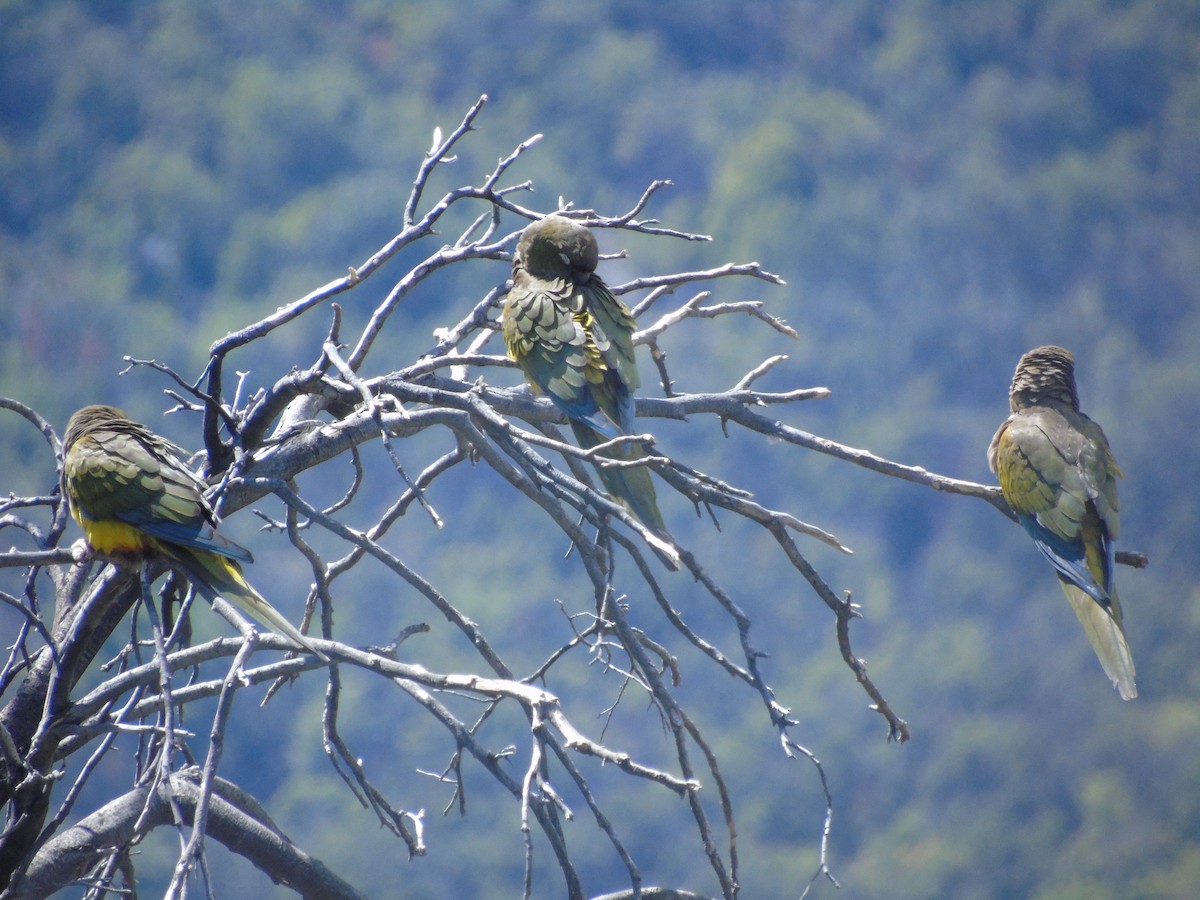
(89, 419)
(557, 247)
(1044, 375)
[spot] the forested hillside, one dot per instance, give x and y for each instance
(942, 186)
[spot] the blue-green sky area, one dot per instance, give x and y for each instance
(942, 185)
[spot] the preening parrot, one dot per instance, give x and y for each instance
(1058, 475)
(132, 495)
(574, 341)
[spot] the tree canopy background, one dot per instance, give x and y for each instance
(943, 186)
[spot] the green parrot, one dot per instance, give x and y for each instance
(1058, 475)
(574, 341)
(132, 495)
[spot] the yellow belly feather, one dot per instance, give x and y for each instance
(114, 537)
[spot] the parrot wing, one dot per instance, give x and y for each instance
(611, 328)
(1056, 477)
(141, 481)
(547, 332)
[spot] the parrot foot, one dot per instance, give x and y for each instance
(80, 551)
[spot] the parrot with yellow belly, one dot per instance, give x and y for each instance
(133, 497)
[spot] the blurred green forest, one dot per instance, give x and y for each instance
(942, 184)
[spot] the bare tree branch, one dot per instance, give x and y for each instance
(234, 819)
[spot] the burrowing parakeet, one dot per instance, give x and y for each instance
(1060, 478)
(132, 495)
(574, 341)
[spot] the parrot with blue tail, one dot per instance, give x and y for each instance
(1059, 476)
(574, 342)
(132, 495)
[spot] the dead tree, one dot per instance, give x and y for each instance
(256, 441)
